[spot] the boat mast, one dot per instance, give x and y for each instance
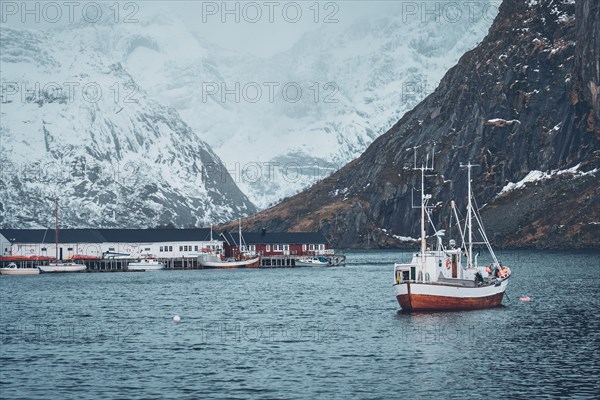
(469, 166)
(56, 227)
(470, 217)
(423, 239)
(424, 198)
(240, 235)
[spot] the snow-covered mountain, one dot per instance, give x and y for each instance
(355, 83)
(140, 155)
(74, 123)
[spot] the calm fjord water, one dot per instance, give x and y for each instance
(306, 333)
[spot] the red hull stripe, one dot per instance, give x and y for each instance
(432, 303)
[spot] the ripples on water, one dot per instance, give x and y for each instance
(297, 333)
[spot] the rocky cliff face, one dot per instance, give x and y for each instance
(526, 99)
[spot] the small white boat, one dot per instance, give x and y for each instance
(62, 267)
(146, 264)
(14, 269)
(215, 261)
(317, 261)
(111, 255)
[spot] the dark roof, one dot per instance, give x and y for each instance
(155, 235)
(277, 238)
(106, 235)
(47, 235)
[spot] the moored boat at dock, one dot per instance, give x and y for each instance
(241, 259)
(316, 261)
(146, 264)
(62, 267)
(439, 279)
(14, 269)
(215, 261)
(59, 265)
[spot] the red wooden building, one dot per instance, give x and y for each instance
(277, 243)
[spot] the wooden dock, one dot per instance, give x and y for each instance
(120, 265)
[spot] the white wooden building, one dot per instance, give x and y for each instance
(106, 243)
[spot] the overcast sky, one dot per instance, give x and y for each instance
(267, 27)
(262, 27)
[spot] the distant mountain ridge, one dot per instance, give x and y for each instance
(525, 99)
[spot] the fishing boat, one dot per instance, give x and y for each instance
(146, 264)
(214, 259)
(316, 261)
(14, 269)
(59, 265)
(450, 278)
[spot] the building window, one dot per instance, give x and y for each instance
(303, 247)
(43, 249)
(321, 247)
(286, 247)
(69, 249)
(311, 247)
(180, 248)
(111, 249)
(160, 249)
(195, 248)
(268, 247)
(170, 248)
(147, 249)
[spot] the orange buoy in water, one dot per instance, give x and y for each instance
(527, 298)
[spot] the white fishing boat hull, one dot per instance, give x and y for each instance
(250, 263)
(145, 267)
(300, 263)
(62, 268)
(438, 296)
